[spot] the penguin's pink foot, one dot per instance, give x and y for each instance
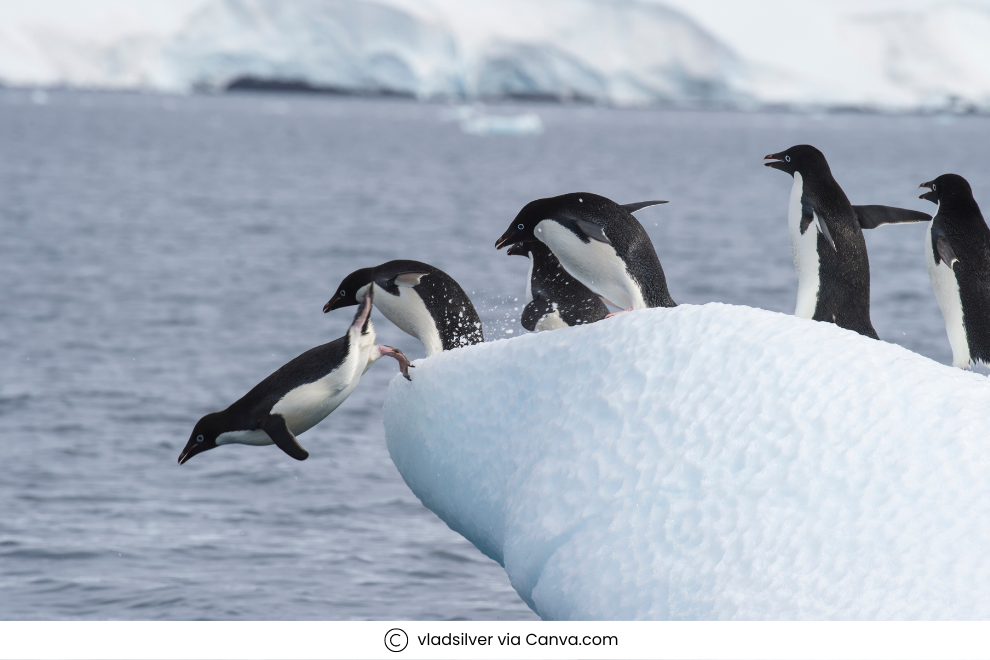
(629, 309)
(404, 363)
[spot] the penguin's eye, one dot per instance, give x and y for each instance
(933, 187)
(199, 438)
(520, 226)
(787, 159)
(343, 292)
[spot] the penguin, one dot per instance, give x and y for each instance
(421, 300)
(554, 299)
(958, 254)
(599, 243)
(298, 396)
(830, 259)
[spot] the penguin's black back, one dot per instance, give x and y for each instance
(843, 271)
(628, 238)
(576, 303)
(308, 367)
(959, 219)
(457, 321)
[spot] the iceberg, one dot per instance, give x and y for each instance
(482, 123)
(886, 55)
(708, 462)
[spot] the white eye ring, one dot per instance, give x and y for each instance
(933, 187)
(520, 226)
(787, 159)
(199, 438)
(343, 292)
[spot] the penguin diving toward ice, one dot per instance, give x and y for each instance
(599, 243)
(554, 299)
(827, 241)
(421, 300)
(958, 256)
(298, 396)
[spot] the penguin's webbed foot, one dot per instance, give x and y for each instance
(404, 364)
(628, 309)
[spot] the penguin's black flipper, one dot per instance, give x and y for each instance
(592, 231)
(410, 279)
(945, 251)
(274, 426)
(632, 208)
(534, 311)
(823, 228)
(873, 215)
(808, 215)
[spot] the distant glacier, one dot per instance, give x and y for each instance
(618, 52)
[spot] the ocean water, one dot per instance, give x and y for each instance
(161, 255)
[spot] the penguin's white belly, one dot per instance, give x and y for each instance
(594, 264)
(307, 405)
(408, 312)
(257, 438)
(804, 250)
(946, 289)
(551, 321)
(529, 280)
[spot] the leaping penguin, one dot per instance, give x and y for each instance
(831, 262)
(554, 299)
(298, 396)
(421, 300)
(598, 242)
(958, 255)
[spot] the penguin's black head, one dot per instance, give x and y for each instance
(946, 188)
(566, 209)
(347, 291)
(203, 437)
(800, 158)
(521, 229)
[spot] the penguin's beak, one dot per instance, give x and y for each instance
(511, 235)
(776, 162)
(930, 195)
(335, 303)
(192, 448)
(519, 249)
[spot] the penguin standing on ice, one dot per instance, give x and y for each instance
(598, 242)
(554, 299)
(298, 396)
(827, 241)
(421, 300)
(958, 255)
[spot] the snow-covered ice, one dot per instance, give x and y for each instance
(888, 54)
(708, 462)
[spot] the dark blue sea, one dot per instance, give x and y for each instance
(160, 255)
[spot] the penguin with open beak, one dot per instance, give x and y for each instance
(958, 256)
(599, 243)
(827, 241)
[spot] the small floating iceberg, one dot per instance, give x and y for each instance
(474, 120)
(708, 462)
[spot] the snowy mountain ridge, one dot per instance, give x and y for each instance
(622, 52)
